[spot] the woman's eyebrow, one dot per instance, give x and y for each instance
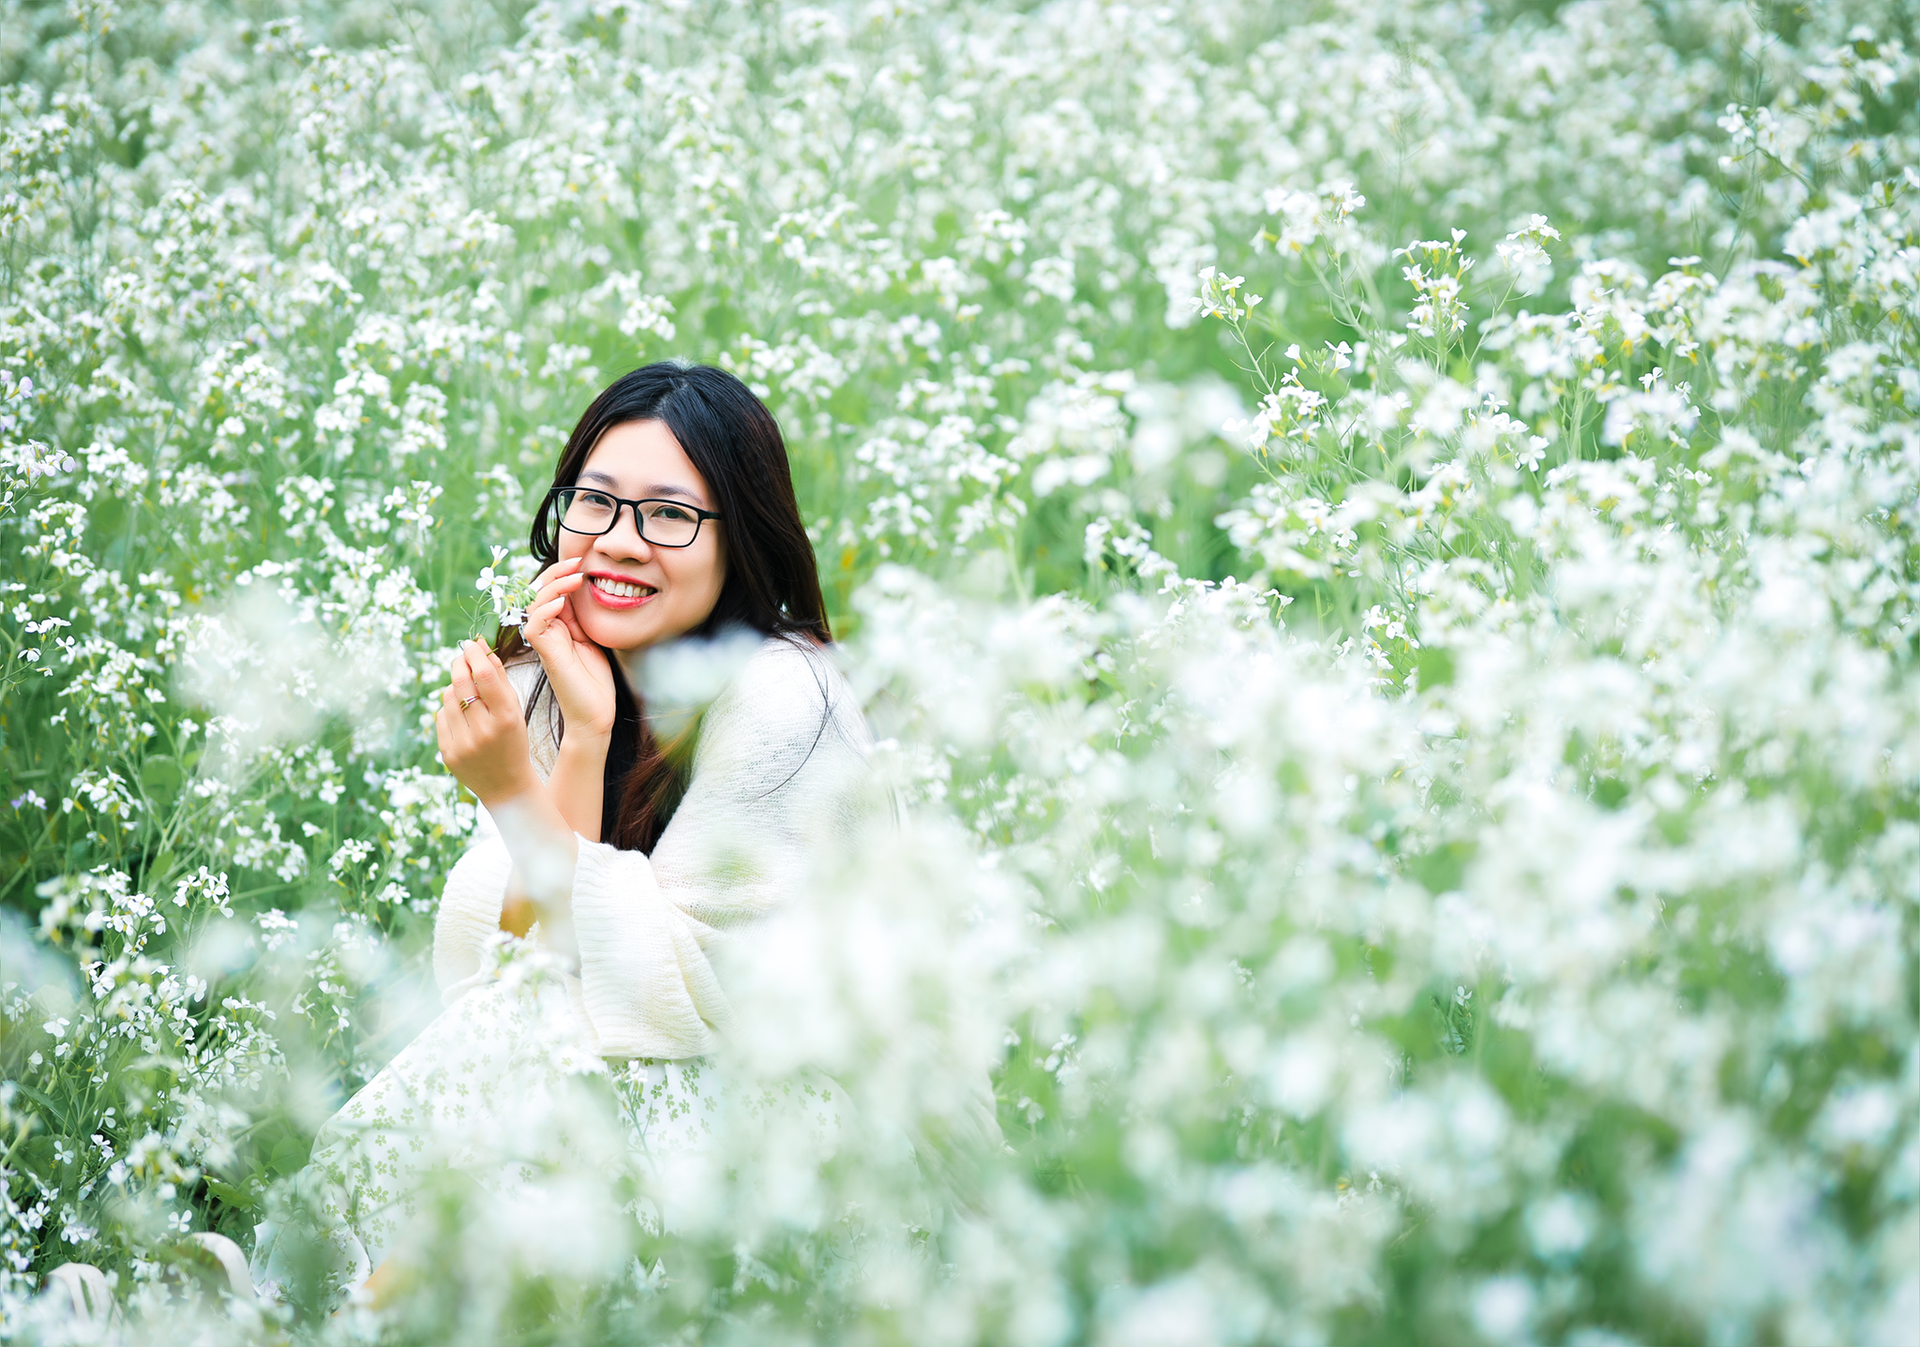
(649, 492)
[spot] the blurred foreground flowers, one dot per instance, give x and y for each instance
(1382, 549)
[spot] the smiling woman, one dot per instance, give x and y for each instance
(654, 577)
(660, 440)
(573, 939)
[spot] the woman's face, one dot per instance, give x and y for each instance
(636, 594)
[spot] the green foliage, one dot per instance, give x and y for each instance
(1380, 541)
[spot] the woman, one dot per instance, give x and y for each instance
(626, 852)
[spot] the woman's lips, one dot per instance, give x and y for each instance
(631, 599)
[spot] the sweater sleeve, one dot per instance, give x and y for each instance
(476, 887)
(779, 768)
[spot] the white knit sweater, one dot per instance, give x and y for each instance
(778, 770)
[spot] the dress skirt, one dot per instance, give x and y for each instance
(502, 1089)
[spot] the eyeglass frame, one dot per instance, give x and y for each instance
(700, 516)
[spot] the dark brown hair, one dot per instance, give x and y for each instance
(772, 584)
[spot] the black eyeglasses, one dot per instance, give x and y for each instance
(663, 523)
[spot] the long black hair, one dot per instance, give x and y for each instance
(772, 584)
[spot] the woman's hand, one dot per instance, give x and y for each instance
(484, 741)
(484, 744)
(577, 669)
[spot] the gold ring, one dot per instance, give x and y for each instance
(465, 702)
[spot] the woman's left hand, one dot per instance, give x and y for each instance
(578, 671)
(483, 735)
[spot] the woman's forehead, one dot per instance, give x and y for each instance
(641, 459)
(642, 491)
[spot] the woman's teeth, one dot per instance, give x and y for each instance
(620, 589)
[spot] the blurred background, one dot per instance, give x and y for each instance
(1378, 540)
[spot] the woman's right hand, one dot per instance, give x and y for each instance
(577, 669)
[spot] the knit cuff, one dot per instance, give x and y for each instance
(469, 915)
(644, 978)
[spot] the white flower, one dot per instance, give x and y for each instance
(510, 594)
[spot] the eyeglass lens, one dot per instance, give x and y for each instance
(662, 522)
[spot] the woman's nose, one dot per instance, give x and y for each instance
(624, 537)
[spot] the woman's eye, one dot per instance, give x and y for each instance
(673, 512)
(593, 500)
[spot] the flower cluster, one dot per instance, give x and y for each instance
(510, 594)
(1380, 545)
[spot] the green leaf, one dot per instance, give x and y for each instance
(1435, 667)
(162, 775)
(1441, 870)
(37, 1155)
(289, 1155)
(232, 1196)
(59, 1114)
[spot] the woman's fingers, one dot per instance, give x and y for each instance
(490, 682)
(557, 592)
(548, 620)
(451, 709)
(480, 689)
(571, 619)
(451, 734)
(546, 607)
(559, 568)
(555, 588)
(463, 685)
(484, 743)
(541, 621)
(560, 584)
(488, 677)
(560, 578)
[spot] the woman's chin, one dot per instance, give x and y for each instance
(620, 636)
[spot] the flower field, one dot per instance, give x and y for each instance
(1379, 541)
